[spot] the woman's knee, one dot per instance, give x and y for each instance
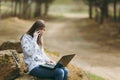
(66, 71)
(59, 71)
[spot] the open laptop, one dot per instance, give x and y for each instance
(63, 61)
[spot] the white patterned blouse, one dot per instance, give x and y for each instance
(33, 54)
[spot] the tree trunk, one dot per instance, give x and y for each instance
(46, 8)
(15, 11)
(25, 9)
(101, 15)
(97, 14)
(37, 10)
(90, 9)
(115, 16)
(119, 14)
(12, 7)
(0, 9)
(105, 8)
(20, 8)
(29, 9)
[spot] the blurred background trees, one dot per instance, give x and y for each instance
(25, 8)
(97, 9)
(102, 9)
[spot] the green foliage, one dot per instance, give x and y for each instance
(49, 52)
(63, 1)
(100, 2)
(94, 77)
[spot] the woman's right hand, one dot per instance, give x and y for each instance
(36, 34)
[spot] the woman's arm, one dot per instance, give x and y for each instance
(28, 45)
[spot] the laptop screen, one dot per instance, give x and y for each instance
(66, 59)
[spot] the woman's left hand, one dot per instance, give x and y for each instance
(51, 62)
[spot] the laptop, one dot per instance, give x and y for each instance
(63, 62)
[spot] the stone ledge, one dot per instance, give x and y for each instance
(26, 76)
(8, 68)
(11, 45)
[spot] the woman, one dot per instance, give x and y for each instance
(34, 55)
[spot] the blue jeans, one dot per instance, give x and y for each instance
(56, 74)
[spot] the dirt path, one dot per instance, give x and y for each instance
(62, 37)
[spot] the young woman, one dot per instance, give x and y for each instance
(34, 55)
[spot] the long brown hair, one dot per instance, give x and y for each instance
(39, 24)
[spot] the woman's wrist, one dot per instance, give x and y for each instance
(34, 40)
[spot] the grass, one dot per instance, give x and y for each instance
(62, 1)
(94, 77)
(50, 52)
